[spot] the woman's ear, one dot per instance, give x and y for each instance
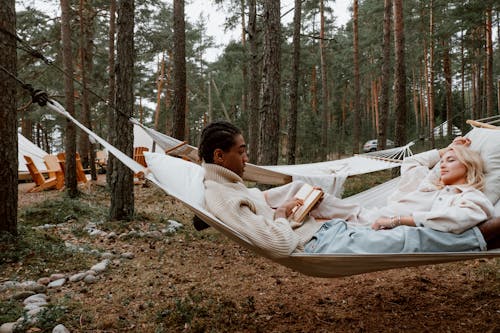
(218, 156)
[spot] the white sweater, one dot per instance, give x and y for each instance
(246, 211)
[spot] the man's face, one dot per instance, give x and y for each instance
(235, 158)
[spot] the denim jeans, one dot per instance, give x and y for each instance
(338, 236)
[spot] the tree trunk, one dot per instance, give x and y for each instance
(69, 93)
(179, 116)
(122, 185)
(8, 125)
(244, 66)
(270, 109)
(87, 153)
(400, 74)
(386, 68)
(112, 86)
(159, 89)
(430, 97)
(448, 86)
(356, 125)
(294, 85)
(253, 83)
(489, 64)
(324, 84)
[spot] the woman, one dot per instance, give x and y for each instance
(223, 152)
(450, 200)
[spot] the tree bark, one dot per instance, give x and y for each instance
(179, 114)
(294, 85)
(253, 83)
(356, 124)
(122, 185)
(448, 86)
(386, 68)
(111, 86)
(324, 84)
(400, 74)
(244, 66)
(70, 179)
(270, 109)
(489, 64)
(8, 125)
(430, 97)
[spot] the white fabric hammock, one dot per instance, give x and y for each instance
(330, 175)
(28, 148)
(179, 184)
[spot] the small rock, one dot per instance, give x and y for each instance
(173, 225)
(23, 294)
(112, 235)
(38, 298)
(90, 279)
(57, 276)
(57, 283)
(34, 312)
(107, 255)
(8, 327)
(44, 281)
(100, 267)
(128, 255)
(77, 277)
(60, 329)
(9, 285)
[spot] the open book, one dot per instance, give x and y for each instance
(310, 196)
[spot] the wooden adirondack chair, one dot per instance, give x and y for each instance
(80, 173)
(41, 183)
(139, 155)
(55, 171)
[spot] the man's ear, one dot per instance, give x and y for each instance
(218, 156)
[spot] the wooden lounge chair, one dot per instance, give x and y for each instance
(139, 155)
(41, 183)
(54, 169)
(80, 173)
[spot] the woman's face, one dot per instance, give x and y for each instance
(235, 158)
(453, 172)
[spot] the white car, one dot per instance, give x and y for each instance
(371, 145)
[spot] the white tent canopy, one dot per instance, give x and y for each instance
(28, 148)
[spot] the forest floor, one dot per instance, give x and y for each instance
(192, 281)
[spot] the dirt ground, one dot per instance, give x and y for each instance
(202, 282)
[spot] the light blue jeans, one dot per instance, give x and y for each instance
(338, 236)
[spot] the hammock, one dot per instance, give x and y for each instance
(185, 178)
(330, 175)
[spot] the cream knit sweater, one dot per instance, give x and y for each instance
(246, 211)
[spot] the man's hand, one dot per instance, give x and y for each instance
(286, 209)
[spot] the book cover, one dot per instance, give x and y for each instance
(310, 196)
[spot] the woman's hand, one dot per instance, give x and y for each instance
(460, 141)
(286, 209)
(384, 223)
(392, 222)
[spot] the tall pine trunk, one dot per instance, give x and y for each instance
(122, 184)
(8, 125)
(324, 84)
(270, 109)
(69, 93)
(489, 64)
(448, 86)
(400, 74)
(356, 125)
(179, 116)
(386, 68)
(111, 86)
(294, 85)
(253, 83)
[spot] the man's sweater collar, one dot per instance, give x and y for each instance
(220, 174)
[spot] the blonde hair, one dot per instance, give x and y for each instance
(473, 163)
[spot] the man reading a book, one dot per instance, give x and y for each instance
(266, 218)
